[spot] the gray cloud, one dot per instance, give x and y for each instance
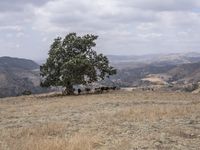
(168, 5)
(18, 5)
(27, 28)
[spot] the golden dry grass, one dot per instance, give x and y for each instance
(117, 121)
(155, 112)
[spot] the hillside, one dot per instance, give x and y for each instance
(133, 77)
(186, 72)
(17, 63)
(18, 75)
(161, 69)
(110, 121)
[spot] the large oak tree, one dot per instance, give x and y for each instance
(72, 61)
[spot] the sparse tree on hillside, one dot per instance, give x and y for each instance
(73, 61)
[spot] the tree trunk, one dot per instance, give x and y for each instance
(69, 90)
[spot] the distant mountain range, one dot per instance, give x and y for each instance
(18, 75)
(169, 69)
(122, 62)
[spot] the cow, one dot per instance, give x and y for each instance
(79, 91)
(87, 90)
(26, 92)
(98, 90)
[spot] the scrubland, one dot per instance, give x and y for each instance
(116, 120)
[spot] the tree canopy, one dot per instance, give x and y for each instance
(72, 61)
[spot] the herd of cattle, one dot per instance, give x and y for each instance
(98, 90)
(86, 90)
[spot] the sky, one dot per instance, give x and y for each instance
(124, 27)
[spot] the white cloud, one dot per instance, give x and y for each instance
(11, 27)
(17, 46)
(20, 34)
(129, 26)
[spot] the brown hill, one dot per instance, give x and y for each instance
(18, 75)
(186, 72)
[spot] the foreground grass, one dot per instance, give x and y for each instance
(117, 120)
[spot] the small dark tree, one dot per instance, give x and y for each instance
(72, 61)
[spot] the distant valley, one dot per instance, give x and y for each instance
(176, 71)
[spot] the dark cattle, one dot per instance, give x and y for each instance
(104, 88)
(98, 90)
(114, 88)
(87, 90)
(107, 88)
(79, 91)
(26, 92)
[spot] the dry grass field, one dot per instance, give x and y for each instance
(112, 121)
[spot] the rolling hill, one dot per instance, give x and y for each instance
(168, 69)
(18, 75)
(134, 61)
(186, 73)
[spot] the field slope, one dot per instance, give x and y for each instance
(115, 121)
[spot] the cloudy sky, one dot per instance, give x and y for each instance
(28, 27)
